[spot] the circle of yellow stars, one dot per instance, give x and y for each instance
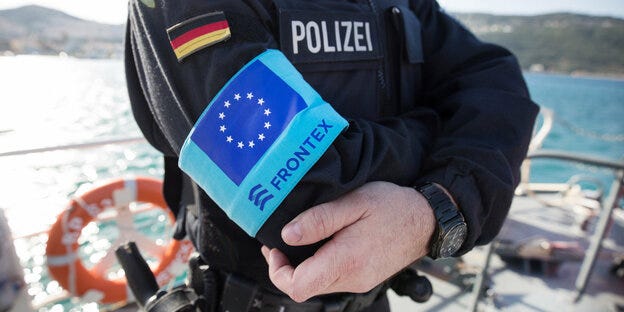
(223, 129)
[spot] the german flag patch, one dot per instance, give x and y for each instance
(197, 33)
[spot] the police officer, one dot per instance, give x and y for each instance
(439, 123)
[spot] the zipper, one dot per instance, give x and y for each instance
(381, 72)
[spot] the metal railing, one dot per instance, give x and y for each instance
(73, 146)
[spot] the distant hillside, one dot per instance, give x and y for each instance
(567, 43)
(39, 30)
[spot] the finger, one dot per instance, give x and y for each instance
(316, 276)
(329, 270)
(265, 252)
(322, 221)
(280, 271)
(290, 280)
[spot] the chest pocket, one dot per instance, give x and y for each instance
(408, 34)
(339, 47)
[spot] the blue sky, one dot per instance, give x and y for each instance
(114, 11)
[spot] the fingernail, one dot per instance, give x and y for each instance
(292, 232)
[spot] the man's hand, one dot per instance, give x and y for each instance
(377, 230)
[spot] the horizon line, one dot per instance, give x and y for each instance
(451, 12)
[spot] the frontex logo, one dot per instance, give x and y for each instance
(257, 196)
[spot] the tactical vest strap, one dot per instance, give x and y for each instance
(232, 292)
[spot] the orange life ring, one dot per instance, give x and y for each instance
(62, 247)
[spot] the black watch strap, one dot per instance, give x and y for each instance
(447, 216)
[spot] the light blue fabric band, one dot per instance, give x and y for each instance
(306, 127)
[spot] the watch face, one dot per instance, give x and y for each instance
(453, 240)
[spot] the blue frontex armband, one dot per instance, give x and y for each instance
(257, 138)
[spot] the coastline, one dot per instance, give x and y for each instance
(575, 74)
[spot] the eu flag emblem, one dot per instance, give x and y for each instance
(257, 138)
(245, 119)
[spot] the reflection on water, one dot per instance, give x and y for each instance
(49, 101)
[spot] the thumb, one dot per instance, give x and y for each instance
(320, 222)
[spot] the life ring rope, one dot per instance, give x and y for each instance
(64, 263)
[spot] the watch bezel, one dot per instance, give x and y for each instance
(446, 240)
(448, 217)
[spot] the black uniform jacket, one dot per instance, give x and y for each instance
(425, 99)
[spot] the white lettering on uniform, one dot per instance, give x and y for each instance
(357, 36)
(317, 37)
(297, 35)
(348, 36)
(326, 46)
(337, 29)
(346, 47)
(369, 43)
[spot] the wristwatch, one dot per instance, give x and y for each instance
(451, 229)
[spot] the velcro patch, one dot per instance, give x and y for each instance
(308, 37)
(197, 33)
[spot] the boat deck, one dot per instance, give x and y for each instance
(535, 286)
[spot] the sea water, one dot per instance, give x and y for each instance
(588, 120)
(48, 101)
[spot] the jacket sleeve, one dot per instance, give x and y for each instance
(470, 137)
(486, 121)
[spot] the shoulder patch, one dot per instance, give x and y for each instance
(197, 33)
